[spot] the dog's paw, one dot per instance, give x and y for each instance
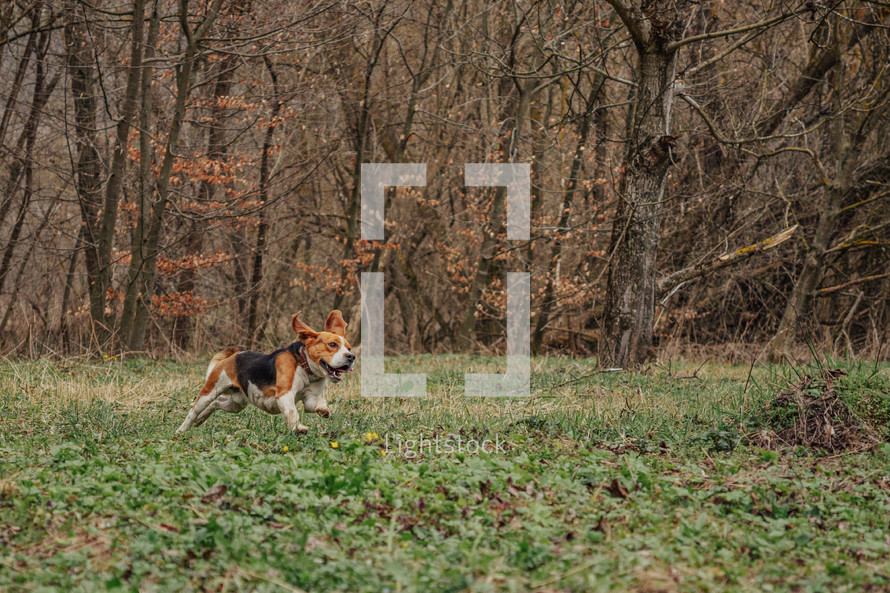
(323, 412)
(302, 429)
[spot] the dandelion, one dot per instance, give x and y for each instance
(335, 444)
(285, 449)
(371, 437)
(382, 452)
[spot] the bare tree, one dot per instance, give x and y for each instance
(657, 30)
(851, 132)
(143, 262)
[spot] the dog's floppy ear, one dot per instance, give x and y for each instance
(302, 330)
(335, 323)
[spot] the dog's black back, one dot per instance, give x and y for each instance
(258, 368)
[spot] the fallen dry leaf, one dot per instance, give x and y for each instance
(214, 494)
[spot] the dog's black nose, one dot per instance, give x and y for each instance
(350, 356)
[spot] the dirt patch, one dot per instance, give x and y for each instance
(655, 579)
(92, 540)
(819, 414)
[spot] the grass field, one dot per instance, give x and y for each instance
(600, 482)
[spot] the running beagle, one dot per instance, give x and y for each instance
(276, 382)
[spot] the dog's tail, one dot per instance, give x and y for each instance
(221, 357)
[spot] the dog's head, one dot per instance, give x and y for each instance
(328, 349)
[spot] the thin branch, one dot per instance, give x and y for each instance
(852, 240)
(672, 47)
(724, 53)
(667, 284)
(873, 198)
(824, 177)
(837, 287)
(713, 128)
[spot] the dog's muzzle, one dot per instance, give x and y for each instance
(336, 373)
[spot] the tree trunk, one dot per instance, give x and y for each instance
(194, 242)
(629, 315)
(811, 273)
(256, 277)
(23, 266)
(105, 239)
(16, 87)
(516, 113)
(362, 129)
(146, 157)
(548, 301)
(22, 167)
(88, 168)
(143, 268)
(66, 293)
(358, 115)
(847, 151)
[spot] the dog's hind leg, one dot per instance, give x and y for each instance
(232, 403)
(216, 384)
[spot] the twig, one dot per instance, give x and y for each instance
(728, 32)
(838, 287)
(665, 285)
(282, 584)
(564, 575)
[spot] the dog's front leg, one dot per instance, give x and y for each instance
(288, 406)
(288, 382)
(314, 401)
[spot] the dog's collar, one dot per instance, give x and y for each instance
(303, 361)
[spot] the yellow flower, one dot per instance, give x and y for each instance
(285, 449)
(334, 444)
(382, 451)
(404, 544)
(371, 437)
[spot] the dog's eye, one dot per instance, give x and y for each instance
(333, 344)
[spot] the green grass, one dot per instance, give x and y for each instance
(605, 482)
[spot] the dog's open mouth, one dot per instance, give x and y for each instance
(335, 373)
